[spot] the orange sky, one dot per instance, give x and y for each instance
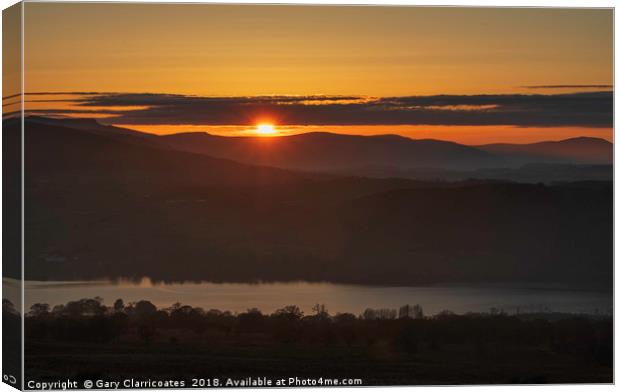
(260, 49)
(232, 50)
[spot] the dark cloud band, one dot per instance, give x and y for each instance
(588, 109)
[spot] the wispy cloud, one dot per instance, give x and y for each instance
(570, 86)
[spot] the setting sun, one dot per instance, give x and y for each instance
(266, 129)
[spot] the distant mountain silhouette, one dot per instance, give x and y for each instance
(91, 125)
(54, 150)
(100, 205)
(86, 124)
(383, 155)
(390, 155)
(584, 150)
(322, 151)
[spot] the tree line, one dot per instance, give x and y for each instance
(407, 330)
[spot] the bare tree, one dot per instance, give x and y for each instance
(417, 311)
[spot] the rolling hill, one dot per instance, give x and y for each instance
(383, 155)
(584, 150)
(321, 151)
(107, 207)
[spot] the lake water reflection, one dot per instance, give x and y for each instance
(267, 297)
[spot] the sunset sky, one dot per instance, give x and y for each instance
(470, 75)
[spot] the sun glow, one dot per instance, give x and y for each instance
(266, 129)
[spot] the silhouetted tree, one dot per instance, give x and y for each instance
(8, 307)
(286, 323)
(39, 310)
(291, 312)
(590, 339)
(144, 309)
(320, 310)
(86, 307)
(251, 321)
(369, 314)
(385, 314)
(418, 313)
(119, 305)
(413, 312)
(346, 324)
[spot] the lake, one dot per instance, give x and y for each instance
(267, 297)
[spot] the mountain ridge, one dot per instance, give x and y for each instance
(112, 208)
(371, 155)
(582, 149)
